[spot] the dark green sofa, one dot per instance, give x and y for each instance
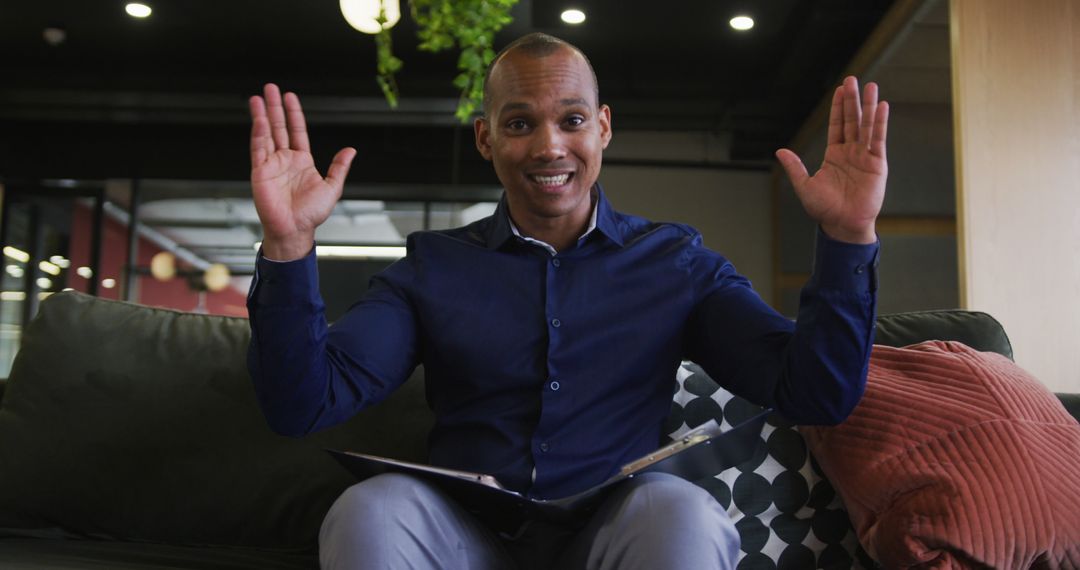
(130, 438)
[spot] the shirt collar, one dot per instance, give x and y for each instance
(550, 248)
(604, 219)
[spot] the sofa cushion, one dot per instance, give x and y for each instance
(123, 421)
(37, 554)
(957, 458)
(787, 514)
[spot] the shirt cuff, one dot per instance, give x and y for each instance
(844, 266)
(285, 282)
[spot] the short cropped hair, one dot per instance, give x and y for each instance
(536, 44)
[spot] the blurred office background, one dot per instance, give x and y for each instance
(124, 140)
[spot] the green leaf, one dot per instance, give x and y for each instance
(389, 91)
(470, 25)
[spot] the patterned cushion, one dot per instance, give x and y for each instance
(787, 513)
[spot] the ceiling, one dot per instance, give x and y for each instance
(163, 100)
(177, 81)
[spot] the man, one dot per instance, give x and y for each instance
(550, 332)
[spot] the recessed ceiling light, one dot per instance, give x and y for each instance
(573, 16)
(16, 254)
(54, 36)
(50, 268)
(137, 10)
(742, 23)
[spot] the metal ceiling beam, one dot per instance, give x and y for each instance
(137, 107)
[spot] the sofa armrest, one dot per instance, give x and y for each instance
(1071, 403)
(973, 328)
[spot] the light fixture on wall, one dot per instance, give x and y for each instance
(364, 14)
(163, 265)
(214, 278)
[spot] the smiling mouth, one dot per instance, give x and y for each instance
(553, 181)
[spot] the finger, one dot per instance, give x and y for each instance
(836, 117)
(851, 109)
(881, 126)
(869, 106)
(339, 168)
(294, 115)
(793, 166)
(261, 143)
(276, 114)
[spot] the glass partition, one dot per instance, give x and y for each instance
(191, 246)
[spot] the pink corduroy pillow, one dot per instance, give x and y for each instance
(956, 458)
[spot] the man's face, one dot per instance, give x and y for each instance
(545, 134)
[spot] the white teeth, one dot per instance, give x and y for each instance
(552, 180)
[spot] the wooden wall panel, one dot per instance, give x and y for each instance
(1016, 101)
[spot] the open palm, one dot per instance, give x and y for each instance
(845, 195)
(291, 196)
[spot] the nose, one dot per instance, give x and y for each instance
(548, 144)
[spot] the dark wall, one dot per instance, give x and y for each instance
(33, 150)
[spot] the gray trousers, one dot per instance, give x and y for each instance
(653, 521)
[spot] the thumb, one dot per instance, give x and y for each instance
(793, 167)
(339, 168)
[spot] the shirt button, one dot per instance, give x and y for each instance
(544, 447)
(556, 323)
(556, 262)
(555, 385)
(860, 268)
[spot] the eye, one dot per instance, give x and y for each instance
(516, 125)
(575, 120)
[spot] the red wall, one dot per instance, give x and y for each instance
(173, 294)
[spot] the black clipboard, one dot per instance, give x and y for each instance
(702, 452)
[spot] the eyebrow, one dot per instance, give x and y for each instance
(515, 107)
(522, 106)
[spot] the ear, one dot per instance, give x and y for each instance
(483, 137)
(605, 125)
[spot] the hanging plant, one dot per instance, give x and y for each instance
(386, 65)
(469, 25)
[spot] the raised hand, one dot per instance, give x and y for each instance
(844, 196)
(291, 196)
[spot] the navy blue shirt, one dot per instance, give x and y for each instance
(561, 364)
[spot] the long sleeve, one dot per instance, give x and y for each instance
(309, 375)
(812, 371)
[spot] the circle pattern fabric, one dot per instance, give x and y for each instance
(787, 514)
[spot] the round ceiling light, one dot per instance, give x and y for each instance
(742, 23)
(137, 10)
(573, 16)
(216, 277)
(363, 15)
(163, 265)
